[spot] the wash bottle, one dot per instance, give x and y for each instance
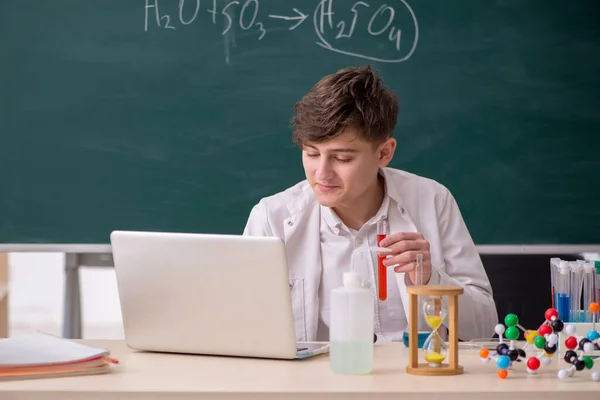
(351, 322)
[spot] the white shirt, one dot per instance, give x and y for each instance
(337, 244)
(421, 205)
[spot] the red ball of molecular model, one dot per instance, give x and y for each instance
(544, 339)
(584, 345)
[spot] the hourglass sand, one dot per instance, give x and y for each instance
(434, 346)
(435, 349)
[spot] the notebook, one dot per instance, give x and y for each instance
(41, 355)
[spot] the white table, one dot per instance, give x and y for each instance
(180, 377)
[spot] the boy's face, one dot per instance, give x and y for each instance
(343, 169)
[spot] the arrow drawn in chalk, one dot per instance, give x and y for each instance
(300, 17)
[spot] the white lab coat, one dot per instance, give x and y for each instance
(430, 208)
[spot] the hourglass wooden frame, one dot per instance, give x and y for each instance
(452, 367)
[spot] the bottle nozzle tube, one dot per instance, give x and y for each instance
(364, 250)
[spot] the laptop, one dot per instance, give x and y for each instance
(207, 294)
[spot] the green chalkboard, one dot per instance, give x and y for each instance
(174, 114)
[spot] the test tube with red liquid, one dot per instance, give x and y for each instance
(382, 270)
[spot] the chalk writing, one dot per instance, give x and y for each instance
(393, 27)
(380, 20)
(195, 14)
(300, 17)
(342, 24)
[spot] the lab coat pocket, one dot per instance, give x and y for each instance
(297, 293)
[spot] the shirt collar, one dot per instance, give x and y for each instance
(335, 223)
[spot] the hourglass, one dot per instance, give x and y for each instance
(435, 350)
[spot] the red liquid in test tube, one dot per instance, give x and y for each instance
(382, 269)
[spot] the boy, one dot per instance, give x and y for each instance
(344, 127)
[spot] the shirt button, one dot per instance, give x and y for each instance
(359, 241)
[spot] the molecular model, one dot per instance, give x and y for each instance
(545, 339)
(585, 345)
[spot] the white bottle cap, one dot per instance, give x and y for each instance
(352, 280)
(588, 267)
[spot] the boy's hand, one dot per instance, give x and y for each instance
(404, 248)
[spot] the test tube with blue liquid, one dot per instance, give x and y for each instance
(563, 287)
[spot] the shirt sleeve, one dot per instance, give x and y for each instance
(258, 221)
(477, 314)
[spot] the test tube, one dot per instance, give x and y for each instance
(563, 287)
(382, 270)
(419, 270)
(575, 314)
(588, 289)
(553, 269)
(597, 287)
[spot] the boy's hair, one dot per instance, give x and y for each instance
(350, 98)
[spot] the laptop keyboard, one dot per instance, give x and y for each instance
(309, 346)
